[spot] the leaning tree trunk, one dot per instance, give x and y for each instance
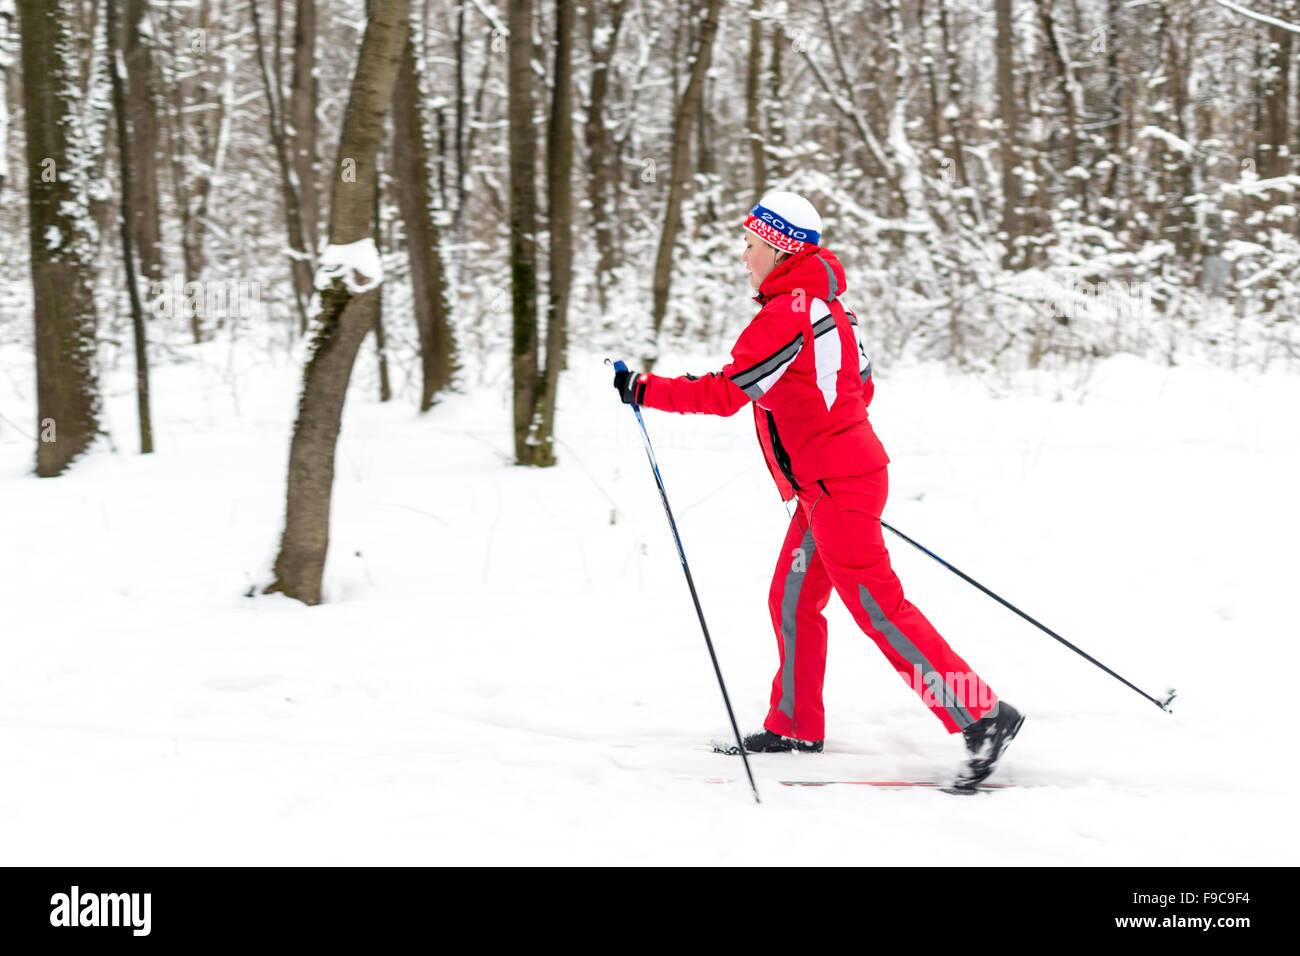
(62, 244)
(348, 304)
(686, 112)
(411, 174)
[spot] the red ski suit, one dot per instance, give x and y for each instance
(802, 363)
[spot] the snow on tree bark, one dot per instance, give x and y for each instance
(63, 239)
(415, 203)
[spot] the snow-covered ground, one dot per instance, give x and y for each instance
(508, 668)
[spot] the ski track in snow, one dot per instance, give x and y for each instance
(500, 675)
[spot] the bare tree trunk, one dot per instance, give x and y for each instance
(523, 225)
(928, 60)
(62, 252)
(302, 113)
(210, 126)
(411, 176)
(94, 114)
(597, 138)
(85, 14)
(472, 114)
(301, 256)
(7, 15)
(1277, 95)
(347, 309)
(753, 113)
(1065, 85)
(776, 122)
(686, 112)
(459, 47)
(440, 158)
(703, 149)
(559, 187)
(879, 164)
(1113, 214)
(115, 64)
(954, 143)
(494, 42)
(146, 222)
(173, 114)
(1008, 111)
(1033, 151)
(1182, 218)
(1293, 108)
(381, 350)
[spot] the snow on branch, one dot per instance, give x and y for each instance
(1260, 188)
(1172, 142)
(1261, 17)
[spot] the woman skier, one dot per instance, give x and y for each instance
(802, 364)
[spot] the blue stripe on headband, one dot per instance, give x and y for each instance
(780, 225)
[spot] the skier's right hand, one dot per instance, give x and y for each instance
(630, 386)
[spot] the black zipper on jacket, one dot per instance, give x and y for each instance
(779, 453)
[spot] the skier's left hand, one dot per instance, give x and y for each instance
(631, 387)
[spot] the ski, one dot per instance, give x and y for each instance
(893, 785)
(731, 750)
(899, 784)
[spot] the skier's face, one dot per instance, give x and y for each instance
(759, 258)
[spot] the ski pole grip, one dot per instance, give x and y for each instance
(620, 366)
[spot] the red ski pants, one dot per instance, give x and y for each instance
(835, 541)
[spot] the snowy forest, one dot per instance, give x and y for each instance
(318, 513)
(1012, 183)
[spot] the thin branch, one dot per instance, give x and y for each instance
(1262, 18)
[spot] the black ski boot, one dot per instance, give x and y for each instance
(986, 740)
(766, 742)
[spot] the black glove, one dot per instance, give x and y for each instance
(630, 388)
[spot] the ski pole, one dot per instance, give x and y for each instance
(619, 366)
(1162, 704)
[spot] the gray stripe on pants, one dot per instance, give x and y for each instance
(789, 610)
(909, 652)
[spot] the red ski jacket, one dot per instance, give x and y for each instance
(802, 363)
